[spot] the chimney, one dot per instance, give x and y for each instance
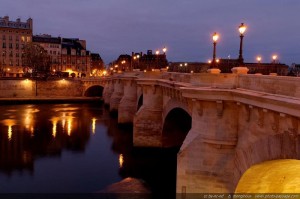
(29, 22)
(6, 18)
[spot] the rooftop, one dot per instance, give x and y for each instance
(5, 23)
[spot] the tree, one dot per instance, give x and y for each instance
(36, 59)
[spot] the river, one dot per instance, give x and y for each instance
(75, 148)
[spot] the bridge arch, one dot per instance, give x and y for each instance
(176, 126)
(94, 91)
(270, 150)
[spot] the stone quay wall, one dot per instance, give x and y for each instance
(24, 88)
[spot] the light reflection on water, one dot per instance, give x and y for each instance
(39, 133)
(71, 148)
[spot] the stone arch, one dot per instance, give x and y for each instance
(173, 103)
(276, 176)
(272, 147)
(94, 91)
(176, 126)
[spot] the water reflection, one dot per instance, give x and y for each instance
(31, 134)
(52, 150)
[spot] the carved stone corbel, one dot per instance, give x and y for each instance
(248, 112)
(261, 117)
(199, 108)
(275, 125)
(154, 89)
(220, 108)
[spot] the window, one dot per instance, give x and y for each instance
(3, 37)
(18, 62)
(10, 45)
(17, 38)
(10, 62)
(10, 53)
(10, 37)
(17, 46)
(23, 39)
(4, 45)
(28, 39)
(17, 55)
(3, 54)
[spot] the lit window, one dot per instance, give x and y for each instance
(23, 39)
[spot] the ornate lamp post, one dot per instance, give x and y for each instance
(242, 29)
(215, 39)
(258, 58)
(274, 58)
(164, 50)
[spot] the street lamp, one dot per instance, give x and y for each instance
(164, 50)
(157, 54)
(258, 58)
(215, 39)
(274, 57)
(242, 29)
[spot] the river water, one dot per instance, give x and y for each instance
(75, 148)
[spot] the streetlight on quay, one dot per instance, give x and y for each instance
(133, 59)
(242, 29)
(157, 54)
(274, 58)
(215, 39)
(164, 50)
(258, 58)
(274, 61)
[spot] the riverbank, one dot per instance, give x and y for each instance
(47, 100)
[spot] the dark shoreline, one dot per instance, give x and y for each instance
(50, 100)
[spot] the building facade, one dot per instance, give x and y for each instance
(74, 57)
(97, 64)
(53, 47)
(13, 37)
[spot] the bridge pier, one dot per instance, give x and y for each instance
(107, 92)
(147, 129)
(205, 161)
(116, 95)
(128, 104)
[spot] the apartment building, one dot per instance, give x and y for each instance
(75, 58)
(13, 37)
(53, 47)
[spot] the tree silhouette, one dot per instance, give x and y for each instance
(35, 57)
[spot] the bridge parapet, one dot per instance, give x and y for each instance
(279, 85)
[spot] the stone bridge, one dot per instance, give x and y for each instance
(223, 123)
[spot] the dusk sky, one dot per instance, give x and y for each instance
(185, 27)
